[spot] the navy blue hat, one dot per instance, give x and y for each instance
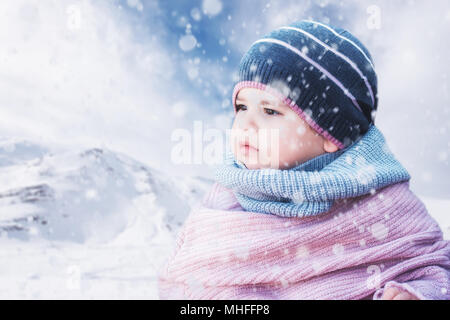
(322, 72)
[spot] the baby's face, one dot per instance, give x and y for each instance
(277, 136)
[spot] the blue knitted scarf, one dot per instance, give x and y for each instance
(311, 187)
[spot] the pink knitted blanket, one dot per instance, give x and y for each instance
(354, 251)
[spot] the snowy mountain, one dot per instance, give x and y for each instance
(89, 195)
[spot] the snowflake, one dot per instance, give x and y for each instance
(348, 159)
(211, 7)
(305, 50)
(196, 14)
(318, 267)
(135, 4)
(379, 231)
(280, 86)
(192, 73)
(295, 93)
(91, 194)
(301, 130)
(308, 112)
(33, 231)
(284, 282)
(242, 253)
(302, 252)
(442, 156)
(338, 249)
(298, 198)
(362, 176)
(187, 42)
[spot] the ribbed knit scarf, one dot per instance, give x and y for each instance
(311, 187)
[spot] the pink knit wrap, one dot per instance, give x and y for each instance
(354, 251)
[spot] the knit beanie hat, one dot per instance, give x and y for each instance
(324, 73)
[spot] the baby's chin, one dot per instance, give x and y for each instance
(250, 166)
(254, 165)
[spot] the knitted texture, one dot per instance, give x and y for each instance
(355, 251)
(322, 72)
(312, 187)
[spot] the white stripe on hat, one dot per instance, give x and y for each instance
(354, 66)
(346, 39)
(315, 64)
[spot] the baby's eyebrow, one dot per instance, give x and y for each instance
(262, 102)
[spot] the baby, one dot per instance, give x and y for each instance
(310, 203)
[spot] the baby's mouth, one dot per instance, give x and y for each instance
(245, 146)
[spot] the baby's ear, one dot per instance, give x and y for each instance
(329, 146)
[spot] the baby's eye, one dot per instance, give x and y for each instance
(241, 106)
(271, 111)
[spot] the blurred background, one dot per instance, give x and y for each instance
(91, 93)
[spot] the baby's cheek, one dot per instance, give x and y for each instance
(289, 139)
(288, 146)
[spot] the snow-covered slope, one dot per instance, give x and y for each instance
(86, 224)
(90, 195)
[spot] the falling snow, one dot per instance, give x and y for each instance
(212, 7)
(379, 231)
(187, 42)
